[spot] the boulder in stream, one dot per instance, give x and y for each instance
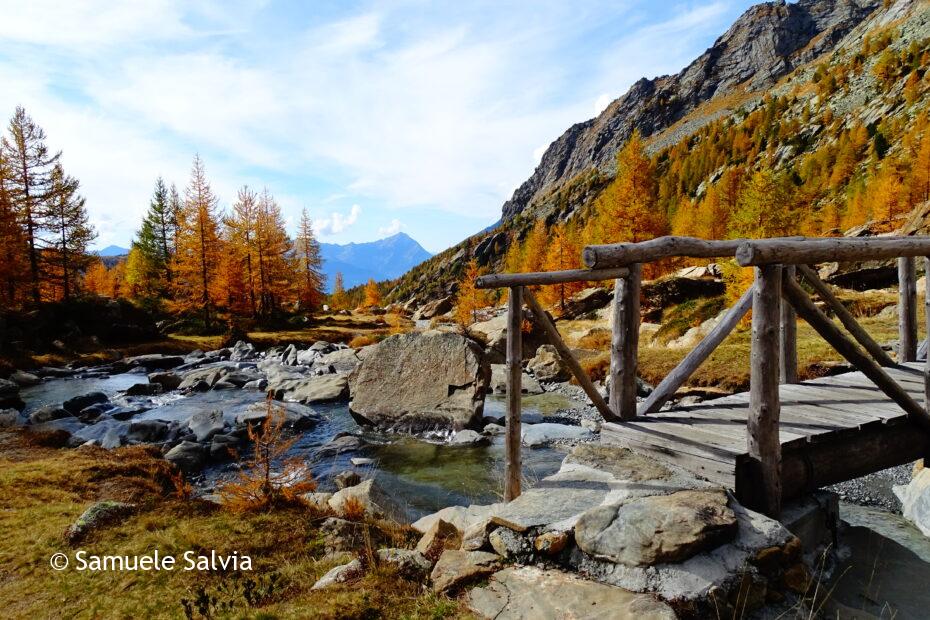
(75, 405)
(421, 381)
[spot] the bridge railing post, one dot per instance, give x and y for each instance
(624, 345)
(514, 462)
(788, 366)
(907, 310)
(764, 406)
(927, 334)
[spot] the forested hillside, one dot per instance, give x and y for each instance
(839, 142)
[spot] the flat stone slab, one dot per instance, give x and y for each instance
(541, 434)
(530, 593)
(462, 517)
(556, 501)
(652, 530)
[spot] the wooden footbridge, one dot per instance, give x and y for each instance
(783, 438)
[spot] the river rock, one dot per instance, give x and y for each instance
(321, 389)
(47, 414)
(421, 381)
(206, 424)
(342, 536)
(341, 444)
(433, 309)
(457, 568)
(915, 500)
(10, 417)
(144, 389)
(296, 416)
(528, 383)
(469, 437)
(188, 456)
(346, 479)
(24, 379)
(657, 529)
(342, 361)
(168, 380)
(340, 574)
(372, 497)
(8, 388)
(76, 404)
(547, 365)
(223, 447)
(242, 351)
(258, 384)
(541, 434)
(209, 376)
(107, 434)
(531, 593)
(317, 500)
(406, 562)
(147, 431)
(509, 545)
(462, 517)
(441, 535)
(156, 361)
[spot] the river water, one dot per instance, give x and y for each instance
(422, 475)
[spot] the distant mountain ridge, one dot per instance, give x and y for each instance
(384, 259)
(112, 250)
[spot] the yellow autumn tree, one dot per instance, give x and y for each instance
(337, 299)
(564, 252)
(372, 294)
(197, 257)
(470, 299)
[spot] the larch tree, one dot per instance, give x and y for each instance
(310, 276)
(273, 248)
(197, 256)
(337, 299)
(156, 236)
(13, 251)
(96, 279)
(535, 248)
(31, 165)
(69, 232)
(241, 231)
(372, 294)
(140, 275)
(564, 253)
(766, 207)
(470, 298)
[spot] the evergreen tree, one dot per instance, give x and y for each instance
(68, 232)
(31, 166)
(337, 299)
(13, 250)
(309, 265)
(198, 252)
(156, 237)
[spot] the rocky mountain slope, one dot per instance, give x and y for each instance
(772, 49)
(382, 259)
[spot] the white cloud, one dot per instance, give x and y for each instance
(391, 229)
(337, 222)
(601, 104)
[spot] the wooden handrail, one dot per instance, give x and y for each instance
(504, 280)
(619, 254)
(801, 251)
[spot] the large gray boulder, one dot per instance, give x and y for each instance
(188, 456)
(341, 361)
(309, 390)
(421, 381)
(206, 424)
(547, 365)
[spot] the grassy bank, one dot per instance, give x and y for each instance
(45, 489)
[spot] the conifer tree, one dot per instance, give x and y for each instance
(96, 279)
(156, 237)
(309, 265)
(13, 251)
(337, 299)
(564, 253)
(69, 232)
(241, 226)
(31, 166)
(140, 276)
(197, 257)
(766, 207)
(469, 298)
(273, 248)
(372, 294)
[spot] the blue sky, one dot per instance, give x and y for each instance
(415, 116)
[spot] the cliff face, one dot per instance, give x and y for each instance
(767, 42)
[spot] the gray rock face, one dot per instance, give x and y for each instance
(210, 376)
(915, 500)
(657, 529)
(528, 384)
(547, 365)
(530, 593)
(766, 42)
(421, 381)
(586, 301)
(342, 361)
(168, 380)
(433, 309)
(206, 424)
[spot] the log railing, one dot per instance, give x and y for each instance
(776, 299)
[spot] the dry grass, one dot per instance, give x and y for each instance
(46, 489)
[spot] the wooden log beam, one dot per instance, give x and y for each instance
(764, 406)
(514, 462)
(539, 315)
(907, 310)
(675, 379)
(797, 251)
(624, 344)
(788, 359)
(845, 316)
(506, 280)
(927, 341)
(618, 254)
(845, 347)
